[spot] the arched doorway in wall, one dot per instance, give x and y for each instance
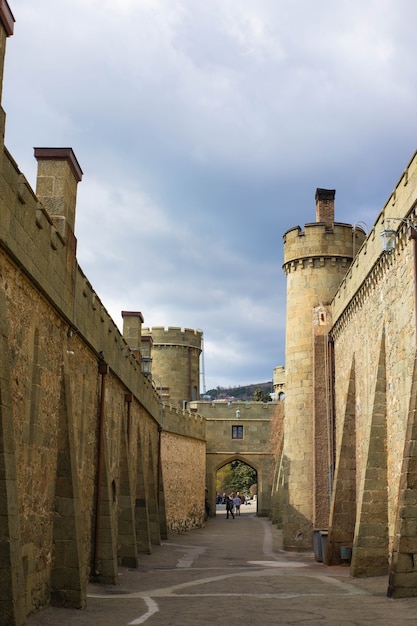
(237, 477)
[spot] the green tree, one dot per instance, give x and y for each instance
(235, 476)
(224, 478)
(243, 476)
(259, 395)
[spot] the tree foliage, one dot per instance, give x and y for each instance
(243, 394)
(260, 395)
(236, 476)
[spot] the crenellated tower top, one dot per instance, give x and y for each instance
(176, 361)
(323, 241)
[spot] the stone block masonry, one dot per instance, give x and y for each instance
(364, 396)
(81, 474)
(375, 337)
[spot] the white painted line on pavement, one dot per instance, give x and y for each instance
(277, 564)
(189, 557)
(152, 609)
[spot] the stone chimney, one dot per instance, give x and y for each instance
(56, 186)
(325, 206)
(132, 333)
(132, 328)
(6, 30)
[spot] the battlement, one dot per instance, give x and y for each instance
(367, 268)
(317, 240)
(174, 336)
(227, 410)
(184, 422)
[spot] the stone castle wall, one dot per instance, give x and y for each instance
(184, 478)
(351, 392)
(374, 334)
(80, 429)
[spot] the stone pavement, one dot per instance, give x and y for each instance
(234, 571)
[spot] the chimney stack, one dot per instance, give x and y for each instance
(56, 185)
(6, 30)
(325, 206)
(132, 328)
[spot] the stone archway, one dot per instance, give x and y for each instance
(241, 431)
(261, 463)
(237, 477)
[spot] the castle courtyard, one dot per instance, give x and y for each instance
(233, 571)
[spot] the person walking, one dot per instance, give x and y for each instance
(237, 502)
(229, 507)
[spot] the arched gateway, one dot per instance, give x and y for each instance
(242, 431)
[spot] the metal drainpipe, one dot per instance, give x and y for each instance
(331, 443)
(128, 400)
(103, 369)
(190, 388)
(412, 234)
(159, 467)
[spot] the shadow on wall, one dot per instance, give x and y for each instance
(297, 529)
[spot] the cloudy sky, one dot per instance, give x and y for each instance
(203, 128)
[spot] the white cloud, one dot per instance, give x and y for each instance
(203, 129)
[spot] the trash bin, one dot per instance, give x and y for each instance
(323, 537)
(317, 547)
(345, 553)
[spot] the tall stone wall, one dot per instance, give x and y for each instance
(374, 334)
(52, 355)
(351, 390)
(81, 486)
(184, 476)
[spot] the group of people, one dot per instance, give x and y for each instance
(233, 503)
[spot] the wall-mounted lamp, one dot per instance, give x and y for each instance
(237, 414)
(146, 365)
(362, 227)
(388, 241)
(154, 381)
(389, 235)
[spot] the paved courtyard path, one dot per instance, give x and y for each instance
(232, 572)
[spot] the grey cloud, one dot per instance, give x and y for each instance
(203, 130)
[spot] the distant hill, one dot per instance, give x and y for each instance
(237, 393)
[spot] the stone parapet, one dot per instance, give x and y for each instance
(183, 422)
(174, 336)
(227, 410)
(317, 241)
(370, 262)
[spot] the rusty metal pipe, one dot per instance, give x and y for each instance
(128, 400)
(190, 376)
(103, 371)
(159, 468)
(412, 234)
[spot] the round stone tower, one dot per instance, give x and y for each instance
(316, 260)
(176, 362)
